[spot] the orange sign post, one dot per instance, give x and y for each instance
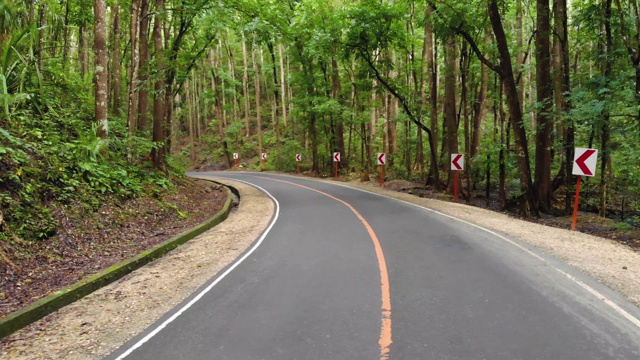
(457, 164)
(382, 160)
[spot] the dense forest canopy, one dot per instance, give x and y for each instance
(104, 98)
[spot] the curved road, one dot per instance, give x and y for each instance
(344, 274)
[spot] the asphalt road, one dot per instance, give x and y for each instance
(344, 274)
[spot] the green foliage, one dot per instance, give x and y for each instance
(50, 160)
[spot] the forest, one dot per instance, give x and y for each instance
(114, 98)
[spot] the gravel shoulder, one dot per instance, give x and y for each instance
(96, 325)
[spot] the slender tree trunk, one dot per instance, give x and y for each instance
(190, 105)
(143, 93)
(520, 52)
(479, 106)
(528, 204)
(42, 19)
(283, 86)
(132, 111)
(217, 108)
(544, 108)
(607, 64)
(276, 95)
(450, 103)
(116, 66)
(424, 75)
(232, 72)
(563, 101)
(83, 56)
(101, 74)
(256, 83)
(245, 87)
(434, 176)
(159, 94)
(65, 36)
(502, 173)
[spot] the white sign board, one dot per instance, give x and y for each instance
(336, 156)
(584, 162)
(381, 158)
(457, 162)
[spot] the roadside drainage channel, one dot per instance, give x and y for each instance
(41, 308)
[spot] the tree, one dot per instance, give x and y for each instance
(101, 74)
(504, 69)
(544, 107)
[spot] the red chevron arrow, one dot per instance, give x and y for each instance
(580, 161)
(455, 162)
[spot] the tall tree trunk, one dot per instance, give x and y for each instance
(520, 52)
(391, 112)
(101, 74)
(232, 73)
(544, 143)
(479, 106)
(434, 176)
(83, 55)
(65, 36)
(116, 66)
(335, 94)
(276, 95)
(217, 105)
(528, 203)
(607, 64)
(563, 101)
(283, 86)
(633, 49)
(159, 151)
(42, 19)
(451, 120)
(190, 120)
(256, 83)
(424, 75)
(245, 87)
(132, 111)
(143, 93)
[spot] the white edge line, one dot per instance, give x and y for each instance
(208, 288)
(634, 320)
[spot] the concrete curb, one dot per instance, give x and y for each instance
(43, 307)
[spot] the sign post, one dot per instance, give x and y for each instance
(264, 161)
(457, 164)
(235, 161)
(298, 159)
(584, 164)
(336, 161)
(382, 160)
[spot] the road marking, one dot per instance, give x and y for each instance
(385, 327)
(208, 288)
(612, 304)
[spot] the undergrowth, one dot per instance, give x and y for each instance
(49, 161)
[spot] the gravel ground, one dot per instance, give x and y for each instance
(96, 325)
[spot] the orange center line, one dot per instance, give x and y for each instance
(385, 329)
